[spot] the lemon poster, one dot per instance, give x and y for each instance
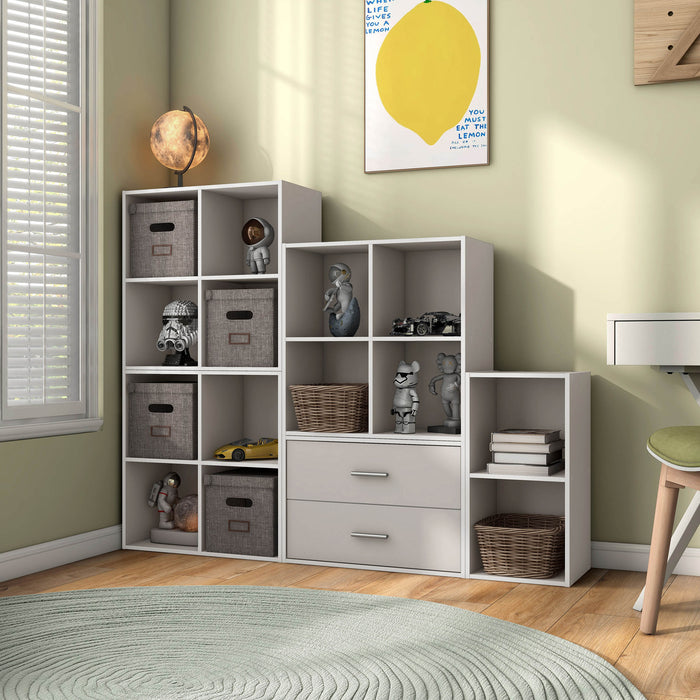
(426, 84)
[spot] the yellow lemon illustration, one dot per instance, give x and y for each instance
(427, 69)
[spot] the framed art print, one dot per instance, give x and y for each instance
(426, 84)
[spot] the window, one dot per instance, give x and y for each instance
(49, 231)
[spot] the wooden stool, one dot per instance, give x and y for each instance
(678, 450)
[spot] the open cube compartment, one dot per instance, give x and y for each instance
(139, 517)
(235, 406)
(387, 356)
(307, 280)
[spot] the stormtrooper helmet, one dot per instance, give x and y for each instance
(179, 330)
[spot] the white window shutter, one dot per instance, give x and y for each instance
(45, 182)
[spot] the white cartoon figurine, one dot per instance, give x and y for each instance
(258, 235)
(344, 319)
(450, 367)
(406, 402)
(164, 493)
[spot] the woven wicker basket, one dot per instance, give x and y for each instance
(528, 546)
(330, 408)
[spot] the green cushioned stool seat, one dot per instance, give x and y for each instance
(678, 446)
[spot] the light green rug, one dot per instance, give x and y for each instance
(250, 642)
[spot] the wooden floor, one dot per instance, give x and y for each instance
(595, 613)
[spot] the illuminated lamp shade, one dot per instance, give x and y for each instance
(179, 140)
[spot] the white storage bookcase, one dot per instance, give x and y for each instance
(557, 400)
(375, 500)
(232, 402)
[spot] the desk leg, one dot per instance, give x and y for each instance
(687, 526)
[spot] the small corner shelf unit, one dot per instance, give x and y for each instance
(229, 401)
(556, 400)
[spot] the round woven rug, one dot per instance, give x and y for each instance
(259, 642)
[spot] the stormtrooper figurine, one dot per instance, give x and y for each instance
(450, 366)
(179, 332)
(406, 402)
(164, 493)
(258, 235)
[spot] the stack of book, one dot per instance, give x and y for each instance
(526, 452)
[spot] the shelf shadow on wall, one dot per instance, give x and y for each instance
(536, 312)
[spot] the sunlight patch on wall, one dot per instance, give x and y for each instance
(595, 228)
(310, 100)
(285, 93)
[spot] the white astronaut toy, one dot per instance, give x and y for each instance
(406, 402)
(339, 296)
(344, 318)
(164, 493)
(258, 235)
(450, 366)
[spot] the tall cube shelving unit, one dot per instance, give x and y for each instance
(230, 401)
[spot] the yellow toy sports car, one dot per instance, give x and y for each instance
(245, 448)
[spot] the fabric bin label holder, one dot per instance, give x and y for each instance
(162, 238)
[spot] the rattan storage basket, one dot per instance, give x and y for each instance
(330, 408)
(528, 546)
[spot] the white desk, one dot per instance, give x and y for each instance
(664, 340)
(670, 342)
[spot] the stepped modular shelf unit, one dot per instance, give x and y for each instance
(230, 401)
(377, 499)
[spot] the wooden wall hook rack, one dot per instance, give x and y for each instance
(666, 41)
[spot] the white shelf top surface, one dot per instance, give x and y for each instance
(675, 316)
(242, 190)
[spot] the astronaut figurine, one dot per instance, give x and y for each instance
(258, 235)
(450, 367)
(344, 319)
(179, 332)
(406, 402)
(164, 493)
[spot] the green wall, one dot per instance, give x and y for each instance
(592, 198)
(62, 486)
(592, 201)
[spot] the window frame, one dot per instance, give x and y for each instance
(83, 415)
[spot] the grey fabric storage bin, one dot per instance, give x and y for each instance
(241, 327)
(240, 512)
(162, 420)
(162, 242)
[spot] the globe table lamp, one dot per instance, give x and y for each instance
(179, 141)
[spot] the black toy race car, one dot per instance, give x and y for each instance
(429, 323)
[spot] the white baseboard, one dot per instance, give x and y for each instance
(29, 560)
(634, 557)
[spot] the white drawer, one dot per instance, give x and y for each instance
(350, 533)
(402, 475)
(654, 342)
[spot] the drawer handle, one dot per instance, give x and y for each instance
(383, 475)
(369, 535)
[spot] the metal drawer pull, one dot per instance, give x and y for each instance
(381, 474)
(369, 535)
